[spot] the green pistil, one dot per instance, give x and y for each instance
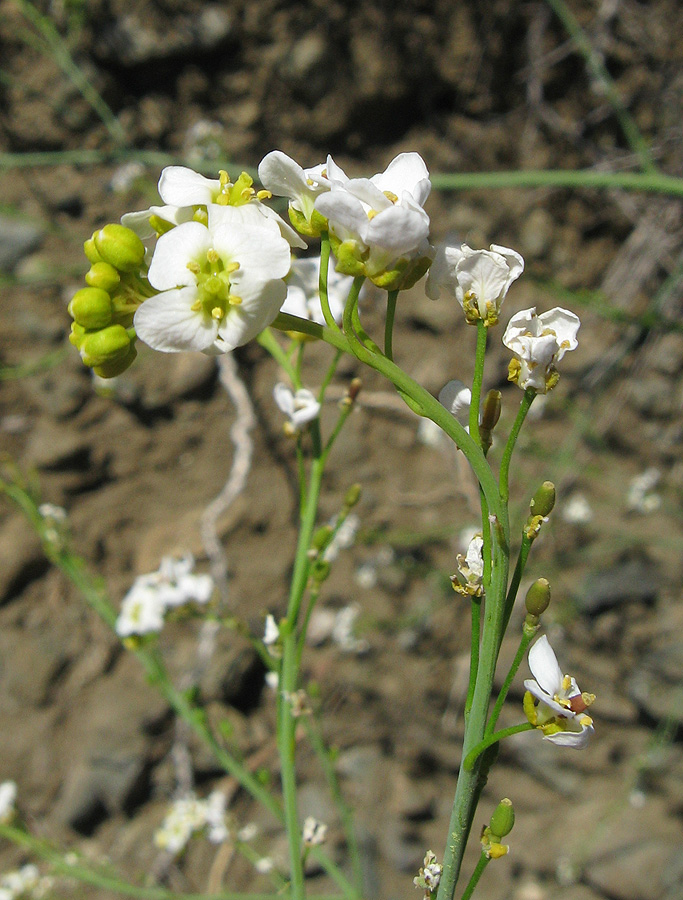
(213, 286)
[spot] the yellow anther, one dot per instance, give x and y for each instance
(232, 267)
(390, 196)
(264, 195)
(372, 213)
(247, 193)
(196, 306)
(194, 267)
(311, 182)
(224, 178)
(234, 300)
(212, 255)
(217, 313)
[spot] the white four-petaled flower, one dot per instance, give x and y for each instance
(284, 177)
(300, 407)
(561, 712)
(478, 279)
(538, 344)
(220, 284)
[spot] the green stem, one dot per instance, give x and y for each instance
(474, 652)
(269, 343)
(389, 324)
(651, 182)
(522, 557)
(527, 635)
(478, 380)
(524, 406)
(322, 281)
(476, 875)
(475, 752)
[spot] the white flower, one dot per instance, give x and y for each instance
(185, 817)
(300, 407)
(142, 612)
(470, 575)
(271, 633)
(175, 583)
(220, 284)
(25, 883)
(478, 279)
(343, 628)
(539, 343)
(430, 875)
(284, 177)
(303, 299)
(214, 817)
(344, 536)
(313, 832)
(264, 865)
(8, 796)
(188, 195)
(561, 712)
(457, 399)
(381, 218)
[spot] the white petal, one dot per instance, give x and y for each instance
(284, 398)
(180, 186)
(174, 250)
(367, 193)
(523, 322)
(166, 322)
(565, 324)
(242, 323)
(344, 212)
(513, 259)
(335, 174)
(544, 666)
(262, 253)
(284, 177)
(406, 172)
(442, 271)
(456, 397)
(397, 229)
(547, 700)
(575, 739)
(484, 273)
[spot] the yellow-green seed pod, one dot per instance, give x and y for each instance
(116, 366)
(491, 411)
(352, 496)
(91, 308)
(538, 597)
(502, 819)
(103, 276)
(120, 247)
(543, 501)
(105, 346)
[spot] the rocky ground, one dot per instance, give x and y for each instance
(472, 86)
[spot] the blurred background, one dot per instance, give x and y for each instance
(96, 96)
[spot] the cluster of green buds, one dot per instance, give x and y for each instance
(499, 827)
(324, 537)
(355, 259)
(103, 311)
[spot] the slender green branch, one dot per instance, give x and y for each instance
(269, 343)
(477, 381)
(476, 875)
(323, 281)
(522, 557)
(527, 635)
(649, 182)
(389, 324)
(597, 68)
(472, 756)
(524, 406)
(475, 638)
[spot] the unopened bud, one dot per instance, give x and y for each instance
(120, 247)
(103, 276)
(354, 390)
(352, 496)
(543, 501)
(320, 571)
(491, 411)
(538, 597)
(115, 367)
(90, 250)
(108, 345)
(91, 308)
(502, 819)
(321, 538)
(77, 335)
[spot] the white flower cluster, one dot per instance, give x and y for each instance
(8, 796)
(25, 883)
(153, 595)
(470, 576)
(313, 832)
(187, 817)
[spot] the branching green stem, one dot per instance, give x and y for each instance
(476, 875)
(476, 752)
(524, 406)
(527, 635)
(389, 324)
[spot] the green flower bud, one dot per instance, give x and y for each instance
(538, 597)
(502, 819)
(103, 276)
(543, 501)
(91, 307)
(313, 228)
(90, 250)
(115, 367)
(120, 247)
(352, 496)
(78, 332)
(321, 538)
(108, 345)
(348, 255)
(321, 571)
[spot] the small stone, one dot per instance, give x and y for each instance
(17, 239)
(634, 580)
(21, 557)
(57, 449)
